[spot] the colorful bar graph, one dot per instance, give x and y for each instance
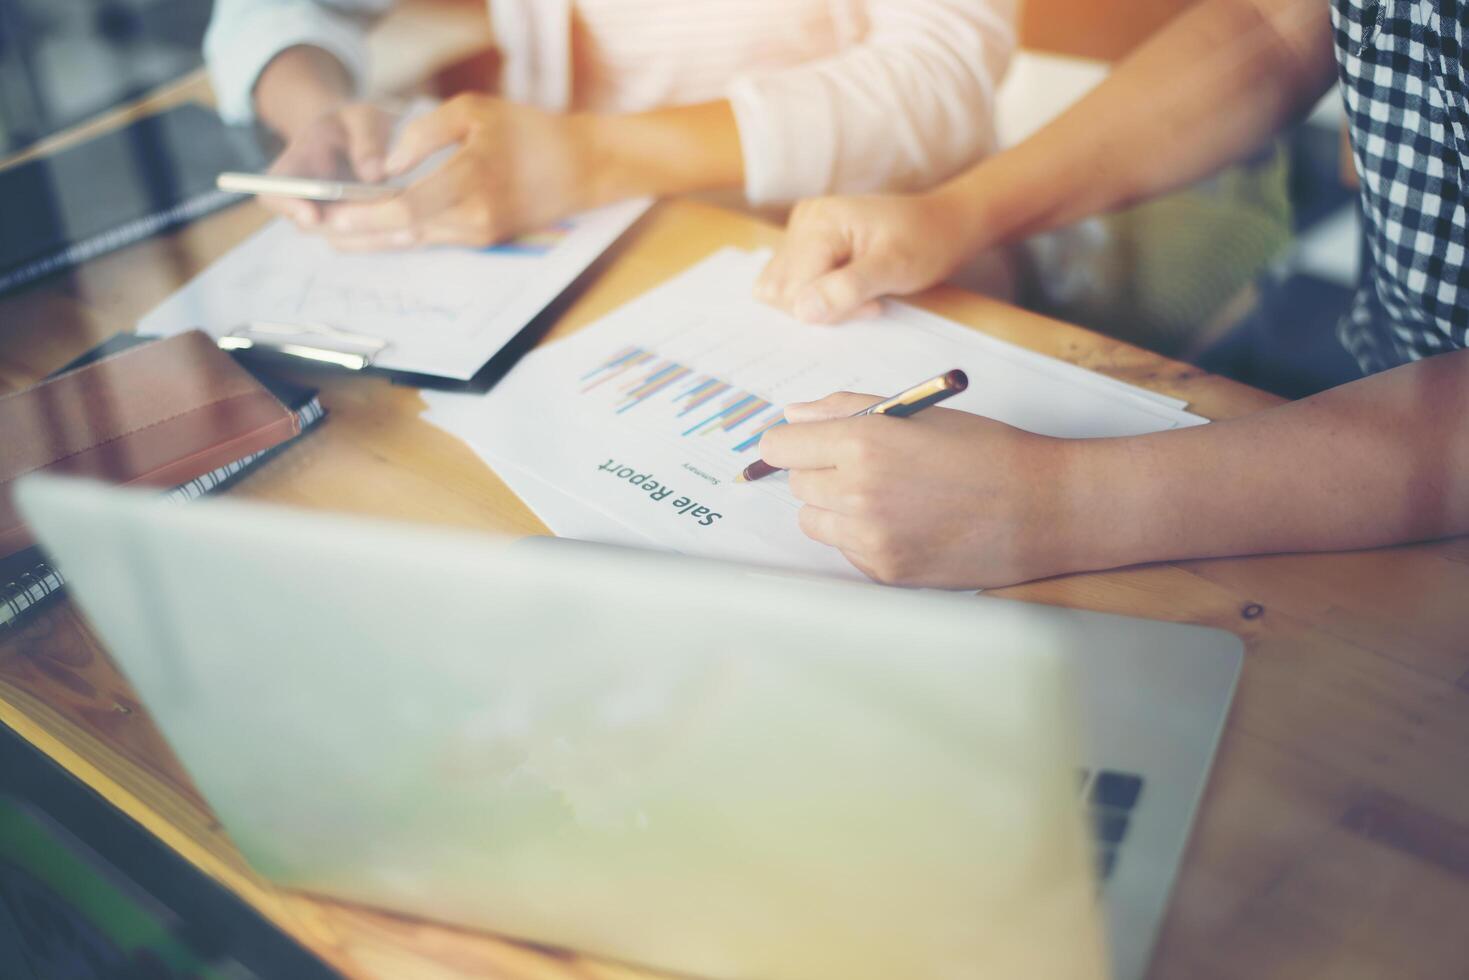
(749, 443)
(641, 377)
(740, 417)
(620, 362)
(711, 389)
(667, 376)
(734, 405)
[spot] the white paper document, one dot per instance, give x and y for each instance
(634, 429)
(442, 311)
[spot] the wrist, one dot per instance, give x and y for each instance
(676, 150)
(599, 160)
(299, 86)
(963, 215)
(1100, 506)
(998, 201)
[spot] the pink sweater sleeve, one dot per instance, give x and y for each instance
(909, 105)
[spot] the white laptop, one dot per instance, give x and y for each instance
(702, 768)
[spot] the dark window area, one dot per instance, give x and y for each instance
(62, 61)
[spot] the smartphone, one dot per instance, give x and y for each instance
(305, 188)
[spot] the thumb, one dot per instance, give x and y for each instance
(423, 136)
(839, 294)
(808, 251)
(834, 406)
(367, 139)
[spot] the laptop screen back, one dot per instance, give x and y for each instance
(704, 768)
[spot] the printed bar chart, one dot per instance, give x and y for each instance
(697, 404)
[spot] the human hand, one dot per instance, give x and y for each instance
(841, 253)
(516, 169)
(942, 499)
(345, 143)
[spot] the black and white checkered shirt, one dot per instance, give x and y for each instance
(1407, 96)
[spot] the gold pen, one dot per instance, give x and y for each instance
(904, 403)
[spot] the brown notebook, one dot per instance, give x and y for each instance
(160, 414)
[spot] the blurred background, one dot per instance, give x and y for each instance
(64, 61)
(1245, 274)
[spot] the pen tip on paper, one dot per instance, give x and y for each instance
(741, 479)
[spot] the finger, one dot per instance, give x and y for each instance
(809, 445)
(820, 488)
(299, 160)
(429, 133)
(830, 528)
(861, 564)
(809, 251)
(304, 213)
(436, 233)
(369, 220)
(849, 535)
(378, 241)
(834, 406)
(417, 205)
(463, 225)
(801, 260)
(839, 294)
(368, 130)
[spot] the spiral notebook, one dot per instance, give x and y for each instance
(27, 579)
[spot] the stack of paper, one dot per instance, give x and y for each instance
(633, 430)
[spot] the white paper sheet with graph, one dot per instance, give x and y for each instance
(646, 417)
(442, 311)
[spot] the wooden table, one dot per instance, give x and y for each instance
(1334, 839)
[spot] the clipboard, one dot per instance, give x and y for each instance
(330, 348)
(341, 350)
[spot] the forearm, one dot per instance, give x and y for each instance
(662, 152)
(1204, 92)
(298, 86)
(1380, 461)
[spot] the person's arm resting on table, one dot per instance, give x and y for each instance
(949, 499)
(909, 105)
(952, 500)
(1206, 91)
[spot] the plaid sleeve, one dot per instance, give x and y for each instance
(1404, 85)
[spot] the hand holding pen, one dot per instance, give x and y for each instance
(907, 402)
(941, 500)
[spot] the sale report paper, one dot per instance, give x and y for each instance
(634, 429)
(442, 311)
